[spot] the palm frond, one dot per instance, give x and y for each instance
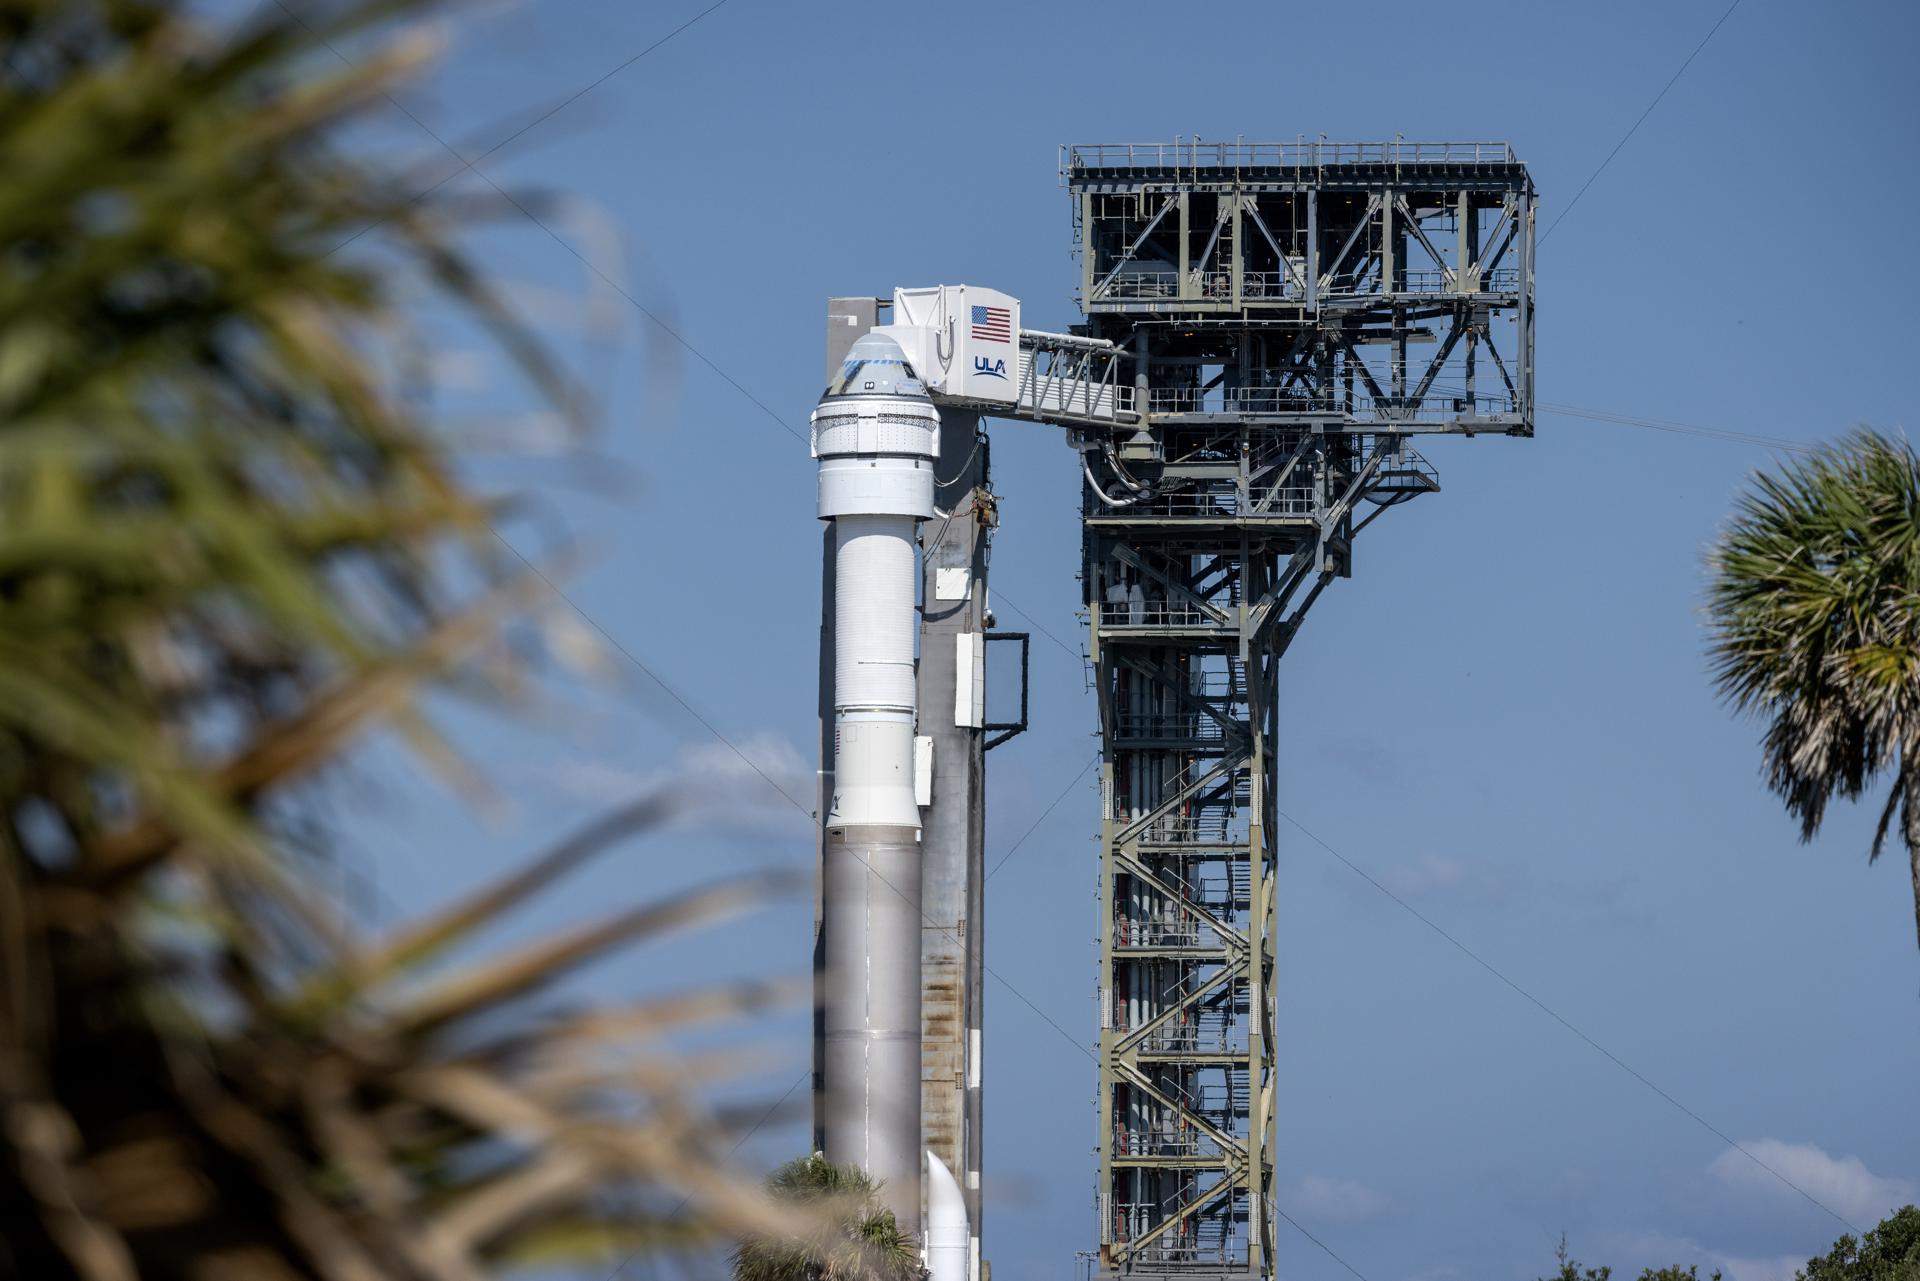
(1814, 629)
(230, 549)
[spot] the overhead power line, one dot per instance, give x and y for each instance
(1557, 1017)
(1681, 429)
(1642, 119)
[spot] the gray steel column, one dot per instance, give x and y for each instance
(954, 565)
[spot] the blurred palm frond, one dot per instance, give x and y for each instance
(229, 551)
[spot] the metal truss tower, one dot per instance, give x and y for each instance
(1292, 316)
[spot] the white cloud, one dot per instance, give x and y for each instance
(1657, 1250)
(1430, 874)
(1843, 1184)
(1334, 1200)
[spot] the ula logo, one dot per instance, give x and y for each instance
(989, 368)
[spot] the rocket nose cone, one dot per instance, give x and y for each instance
(875, 366)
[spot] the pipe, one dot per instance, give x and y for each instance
(1086, 465)
(1078, 342)
(949, 1241)
(876, 434)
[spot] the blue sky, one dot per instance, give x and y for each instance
(1504, 717)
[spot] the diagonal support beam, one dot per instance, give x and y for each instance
(1231, 731)
(1359, 228)
(1134, 248)
(1234, 939)
(1233, 1182)
(1497, 241)
(1499, 250)
(1286, 265)
(1232, 970)
(1413, 224)
(1219, 225)
(1359, 367)
(1445, 350)
(1225, 767)
(1270, 605)
(1179, 590)
(1226, 1142)
(1271, 492)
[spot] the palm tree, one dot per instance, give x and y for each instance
(854, 1238)
(229, 550)
(1814, 612)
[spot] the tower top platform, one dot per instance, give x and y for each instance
(1357, 285)
(1199, 160)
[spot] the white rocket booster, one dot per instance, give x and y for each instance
(876, 434)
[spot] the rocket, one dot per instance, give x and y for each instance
(876, 435)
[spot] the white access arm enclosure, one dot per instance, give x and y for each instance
(963, 340)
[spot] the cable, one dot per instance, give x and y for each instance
(961, 470)
(1637, 123)
(1043, 817)
(1041, 627)
(1557, 1017)
(813, 818)
(543, 117)
(1683, 429)
(1317, 1241)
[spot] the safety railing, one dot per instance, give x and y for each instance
(1431, 408)
(1177, 1248)
(1163, 1141)
(1196, 829)
(1143, 283)
(1195, 153)
(1194, 503)
(1148, 284)
(1405, 471)
(1268, 284)
(1189, 727)
(1419, 280)
(1191, 1038)
(1158, 614)
(1163, 931)
(1071, 382)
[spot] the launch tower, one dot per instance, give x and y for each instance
(1292, 316)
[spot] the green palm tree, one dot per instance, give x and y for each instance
(854, 1238)
(231, 549)
(1814, 610)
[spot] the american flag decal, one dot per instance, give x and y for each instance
(992, 324)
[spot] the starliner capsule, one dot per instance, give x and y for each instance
(876, 434)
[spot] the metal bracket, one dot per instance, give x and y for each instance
(999, 732)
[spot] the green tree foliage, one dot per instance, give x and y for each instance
(1571, 1269)
(854, 1238)
(1815, 628)
(228, 551)
(1889, 1252)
